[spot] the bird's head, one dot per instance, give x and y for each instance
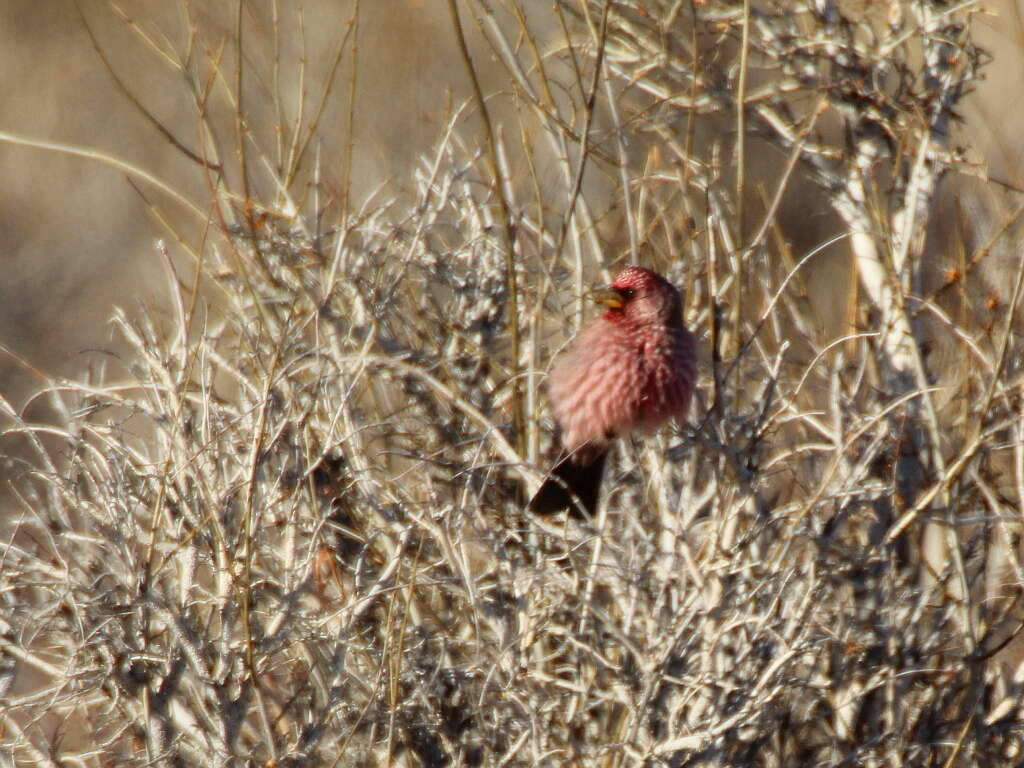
(640, 295)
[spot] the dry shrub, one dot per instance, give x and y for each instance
(288, 528)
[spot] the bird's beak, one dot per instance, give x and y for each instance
(608, 297)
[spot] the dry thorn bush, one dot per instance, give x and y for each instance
(287, 528)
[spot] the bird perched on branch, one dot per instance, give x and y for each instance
(634, 368)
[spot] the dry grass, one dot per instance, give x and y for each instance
(288, 527)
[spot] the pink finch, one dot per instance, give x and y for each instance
(634, 368)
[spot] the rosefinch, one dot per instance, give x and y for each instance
(633, 368)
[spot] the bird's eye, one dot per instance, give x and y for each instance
(626, 293)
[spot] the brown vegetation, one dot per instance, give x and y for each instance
(283, 524)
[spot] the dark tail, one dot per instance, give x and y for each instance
(576, 475)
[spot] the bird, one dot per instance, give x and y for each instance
(633, 368)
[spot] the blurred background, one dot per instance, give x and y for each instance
(76, 236)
